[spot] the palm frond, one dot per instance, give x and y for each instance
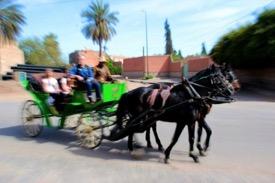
(99, 22)
(11, 20)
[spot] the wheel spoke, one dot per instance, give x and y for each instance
(32, 119)
(89, 130)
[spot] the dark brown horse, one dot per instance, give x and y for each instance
(202, 124)
(183, 107)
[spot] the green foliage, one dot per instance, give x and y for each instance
(203, 49)
(250, 46)
(168, 39)
(114, 69)
(11, 20)
(42, 52)
(177, 55)
(52, 48)
(99, 23)
(148, 76)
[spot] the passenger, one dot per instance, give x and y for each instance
(50, 85)
(102, 72)
(65, 83)
(85, 75)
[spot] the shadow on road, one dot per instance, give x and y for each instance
(107, 150)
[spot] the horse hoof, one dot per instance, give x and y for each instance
(195, 158)
(202, 153)
(149, 146)
(205, 149)
(165, 161)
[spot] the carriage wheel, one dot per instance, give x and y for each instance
(89, 130)
(71, 121)
(32, 120)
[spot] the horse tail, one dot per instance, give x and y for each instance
(122, 108)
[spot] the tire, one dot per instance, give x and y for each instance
(32, 119)
(89, 130)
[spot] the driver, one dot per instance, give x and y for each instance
(102, 72)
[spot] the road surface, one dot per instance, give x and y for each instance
(242, 150)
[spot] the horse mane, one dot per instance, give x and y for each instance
(198, 75)
(178, 87)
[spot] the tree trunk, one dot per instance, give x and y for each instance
(100, 48)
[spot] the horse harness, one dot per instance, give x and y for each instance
(162, 93)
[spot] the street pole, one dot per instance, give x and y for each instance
(146, 41)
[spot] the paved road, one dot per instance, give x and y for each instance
(242, 150)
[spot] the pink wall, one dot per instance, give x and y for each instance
(133, 64)
(197, 64)
(158, 64)
(175, 67)
(162, 65)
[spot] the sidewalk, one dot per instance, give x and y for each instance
(12, 91)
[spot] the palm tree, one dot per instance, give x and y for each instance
(99, 23)
(11, 19)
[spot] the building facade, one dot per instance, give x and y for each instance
(10, 55)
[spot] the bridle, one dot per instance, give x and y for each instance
(221, 86)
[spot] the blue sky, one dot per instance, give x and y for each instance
(192, 22)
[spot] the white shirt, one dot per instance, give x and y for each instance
(51, 85)
(64, 82)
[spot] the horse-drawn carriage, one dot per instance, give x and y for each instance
(88, 118)
(188, 102)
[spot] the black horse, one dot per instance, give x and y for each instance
(202, 124)
(183, 106)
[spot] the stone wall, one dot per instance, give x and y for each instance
(10, 55)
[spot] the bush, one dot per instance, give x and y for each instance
(149, 76)
(114, 69)
(250, 46)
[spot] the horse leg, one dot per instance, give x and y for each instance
(208, 134)
(130, 142)
(191, 133)
(147, 136)
(199, 138)
(154, 127)
(177, 133)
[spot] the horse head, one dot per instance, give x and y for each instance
(211, 81)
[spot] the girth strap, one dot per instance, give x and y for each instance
(164, 94)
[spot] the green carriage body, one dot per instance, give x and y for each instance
(111, 93)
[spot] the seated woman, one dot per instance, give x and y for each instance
(50, 85)
(66, 84)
